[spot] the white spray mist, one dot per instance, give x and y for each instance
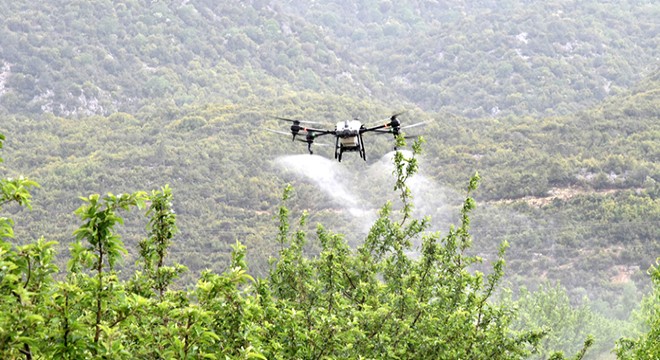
(362, 192)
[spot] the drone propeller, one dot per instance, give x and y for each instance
(394, 116)
(415, 125)
(408, 137)
(295, 127)
(278, 132)
(380, 132)
(390, 121)
(296, 122)
(392, 133)
(394, 121)
(394, 127)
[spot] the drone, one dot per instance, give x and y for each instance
(348, 133)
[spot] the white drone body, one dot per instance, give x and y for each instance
(348, 133)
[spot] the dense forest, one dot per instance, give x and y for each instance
(554, 104)
(470, 58)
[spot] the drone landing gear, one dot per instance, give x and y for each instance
(363, 153)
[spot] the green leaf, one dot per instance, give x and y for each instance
(256, 355)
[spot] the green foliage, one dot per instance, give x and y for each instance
(565, 325)
(475, 59)
(379, 302)
(99, 215)
(586, 183)
(376, 301)
(25, 277)
(16, 190)
(153, 250)
(25, 290)
(644, 343)
(13, 190)
(548, 171)
(103, 250)
(226, 183)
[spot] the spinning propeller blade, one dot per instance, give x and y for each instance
(389, 120)
(407, 137)
(394, 116)
(383, 131)
(415, 125)
(278, 132)
(298, 121)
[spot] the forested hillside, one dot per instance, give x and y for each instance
(486, 58)
(574, 195)
(555, 104)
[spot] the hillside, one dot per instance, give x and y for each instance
(469, 58)
(227, 177)
(540, 99)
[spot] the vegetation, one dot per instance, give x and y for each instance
(374, 302)
(645, 345)
(555, 105)
(550, 308)
(473, 58)
(585, 208)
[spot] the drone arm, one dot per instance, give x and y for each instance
(394, 124)
(375, 128)
(317, 132)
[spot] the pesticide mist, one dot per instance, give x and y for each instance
(355, 191)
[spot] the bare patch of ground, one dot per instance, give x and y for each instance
(557, 194)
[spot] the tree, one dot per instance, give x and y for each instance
(549, 308)
(104, 303)
(25, 277)
(13, 190)
(153, 250)
(647, 344)
(380, 302)
(376, 301)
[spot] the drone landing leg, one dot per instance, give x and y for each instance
(363, 151)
